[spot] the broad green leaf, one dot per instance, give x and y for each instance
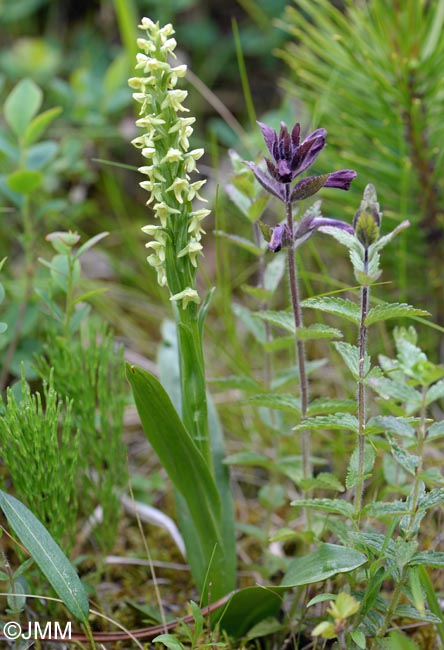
(398, 426)
(247, 607)
(190, 475)
(386, 509)
(39, 124)
(327, 561)
(22, 103)
(24, 181)
(282, 319)
(345, 238)
(392, 310)
(435, 392)
(436, 430)
(404, 551)
(242, 242)
(359, 638)
(47, 555)
(279, 401)
(335, 422)
(431, 499)
(428, 558)
(408, 461)
(408, 611)
(350, 355)
(353, 478)
(396, 390)
(336, 306)
(318, 331)
(335, 506)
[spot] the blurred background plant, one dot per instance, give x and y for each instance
(367, 72)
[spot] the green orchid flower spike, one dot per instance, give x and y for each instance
(176, 235)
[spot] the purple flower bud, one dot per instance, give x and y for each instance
(341, 179)
(280, 237)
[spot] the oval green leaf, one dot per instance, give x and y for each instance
(22, 103)
(24, 181)
(39, 124)
(327, 561)
(47, 555)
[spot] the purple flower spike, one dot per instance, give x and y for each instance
(290, 158)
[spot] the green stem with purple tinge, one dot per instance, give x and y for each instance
(300, 345)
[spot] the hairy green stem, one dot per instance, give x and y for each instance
(391, 610)
(421, 433)
(300, 346)
(365, 296)
(414, 505)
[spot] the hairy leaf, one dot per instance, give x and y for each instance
(392, 310)
(336, 306)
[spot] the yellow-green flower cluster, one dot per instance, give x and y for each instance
(164, 144)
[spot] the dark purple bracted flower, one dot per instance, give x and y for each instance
(290, 158)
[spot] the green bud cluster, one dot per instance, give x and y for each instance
(176, 242)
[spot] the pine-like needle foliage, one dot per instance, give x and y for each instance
(372, 76)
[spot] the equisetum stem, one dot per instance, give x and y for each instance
(365, 296)
(300, 345)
